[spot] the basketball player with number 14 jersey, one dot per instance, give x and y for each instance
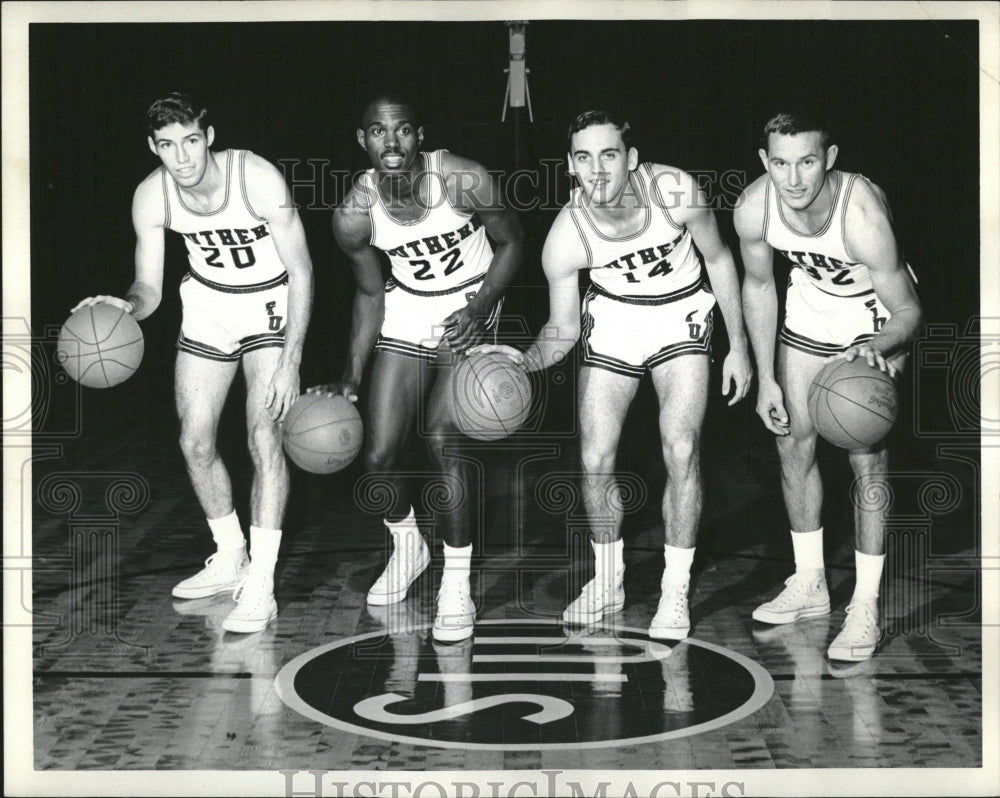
(850, 295)
(635, 228)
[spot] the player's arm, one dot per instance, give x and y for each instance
(760, 303)
(700, 220)
(474, 190)
(271, 199)
(146, 291)
(352, 230)
(869, 238)
(563, 257)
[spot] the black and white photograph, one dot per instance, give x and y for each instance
(488, 399)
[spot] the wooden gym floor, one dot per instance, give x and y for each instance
(126, 678)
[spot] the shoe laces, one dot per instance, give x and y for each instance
(673, 601)
(252, 591)
(799, 583)
(453, 592)
(220, 561)
(859, 615)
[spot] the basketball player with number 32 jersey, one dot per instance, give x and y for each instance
(850, 295)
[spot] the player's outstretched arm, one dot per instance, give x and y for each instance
(352, 230)
(563, 257)
(474, 190)
(870, 239)
(760, 303)
(737, 373)
(271, 200)
(146, 291)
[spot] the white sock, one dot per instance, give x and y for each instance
(404, 534)
(408, 524)
(456, 563)
(264, 544)
(609, 558)
(808, 549)
(677, 570)
(868, 576)
(226, 532)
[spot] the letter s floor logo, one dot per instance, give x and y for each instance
(523, 685)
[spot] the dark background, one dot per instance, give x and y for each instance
(903, 95)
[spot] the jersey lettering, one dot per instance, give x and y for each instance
(212, 257)
(449, 259)
(422, 272)
(245, 260)
(453, 263)
(661, 268)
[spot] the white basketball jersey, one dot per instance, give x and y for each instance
(822, 256)
(231, 248)
(442, 251)
(659, 262)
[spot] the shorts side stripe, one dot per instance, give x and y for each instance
(592, 359)
(405, 348)
(808, 345)
(204, 350)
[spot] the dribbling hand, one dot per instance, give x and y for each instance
(771, 408)
(346, 388)
(463, 329)
(124, 304)
(875, 358)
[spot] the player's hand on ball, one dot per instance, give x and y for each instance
(516, 355)
(346, 388)
(869, 353)
(282, 391)
(124, 304)
(771, 407)
(463, 329)
(737, 371)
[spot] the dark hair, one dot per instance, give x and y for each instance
(175, 107)
(392, 98)
(589, 118)
(798, 121)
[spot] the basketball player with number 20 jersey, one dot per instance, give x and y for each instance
(850, 295)
(246, 301)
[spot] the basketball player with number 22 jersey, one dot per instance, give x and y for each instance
(429, 213)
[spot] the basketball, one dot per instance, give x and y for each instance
(322, 434)
(100, 345)
(852, 404)
(491, 396)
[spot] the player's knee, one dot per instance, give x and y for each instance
(378, 459)
(198, 448)
(796, 448)
(597, 459)
(680, 450)
(264, 441)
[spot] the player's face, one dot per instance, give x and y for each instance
(390, 137)
(798, 166)
(183, 150)
(601, 163)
